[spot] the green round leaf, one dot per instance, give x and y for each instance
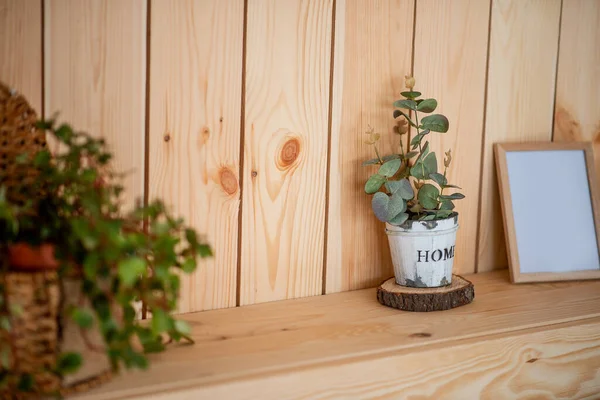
(396, 206)
(428, 196)
(389, 168)
(427, 105)
(68, 363)
(380, 204)
(405, 189)
(372, 161)
(411, 94)
(407, 104)
(374, 183)
(399, 219)
(453, 196)
(392, 186)
(83, 318)
(446, 205)
(430, 163)
(438, 178)
(436, 123)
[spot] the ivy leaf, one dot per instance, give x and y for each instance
(68, 363)
(411, 94)
(427, 106)
(446, 205)
(399, 219)
(130, 269)
(374, 183)
(372, 161)
(396, 206)
(453, 196)
(436, 123)
(405, 189)
(380, 203)
(83, 318)
(438, 178)
(407, 104)
(161, 322)
(428, 196)
(389, 168)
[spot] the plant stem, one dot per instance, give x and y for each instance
(420, 148)
(377, 152)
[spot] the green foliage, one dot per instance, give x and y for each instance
(405, 189)
(121, 257)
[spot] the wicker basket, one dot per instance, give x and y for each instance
(41, 331)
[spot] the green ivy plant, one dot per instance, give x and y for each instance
(408, 184)
(119, 257)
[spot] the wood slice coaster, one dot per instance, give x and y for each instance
(458, 293)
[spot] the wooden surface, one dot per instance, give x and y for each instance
(95, 76)
(285, 148)
(519, 104)
(21, 48)
(194, 133)
(513, 341)
(368, 77)
(577, 113)
(451, 41)
(500, 151)
(459, 293)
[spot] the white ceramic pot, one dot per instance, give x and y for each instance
(423, 251)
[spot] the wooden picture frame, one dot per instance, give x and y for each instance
(501, 152)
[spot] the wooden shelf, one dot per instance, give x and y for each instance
(525, 341)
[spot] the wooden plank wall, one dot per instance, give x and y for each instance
(248, 116)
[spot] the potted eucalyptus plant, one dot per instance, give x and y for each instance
(413, 196)
(74, 265)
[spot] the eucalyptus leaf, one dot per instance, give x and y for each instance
(441, 214)
(446, 205)
(419, 171)
(436, 123)
(399, 219)
(405, 189)
(428, 217)
(397, 113)
(389, 168)
(372, 161)
(453, 196)
(430, 163)
(406, 104)
(424, 152)
(396, 206)
(410, 154)
(390, 157)
(417, 208)
(427, 106)
(411, 94)
(428, 196)
(452, 186)
(416, 140)
(374, 183)
(392, 186)
(438, 178)
(380, 203)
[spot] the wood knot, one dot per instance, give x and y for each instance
(228, 180)
(532, 360)
(167, 137)
(420, 335)
(254, 174)
(289, 152)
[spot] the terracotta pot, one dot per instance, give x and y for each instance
(23, 256)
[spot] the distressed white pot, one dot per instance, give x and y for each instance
(423, 251)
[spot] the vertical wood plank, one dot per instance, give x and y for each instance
(451, 39)
(520, 100)
(285, 157)
(577, 111)
(21, 48)
(372, 54)
(95, 76)
(195, 114)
